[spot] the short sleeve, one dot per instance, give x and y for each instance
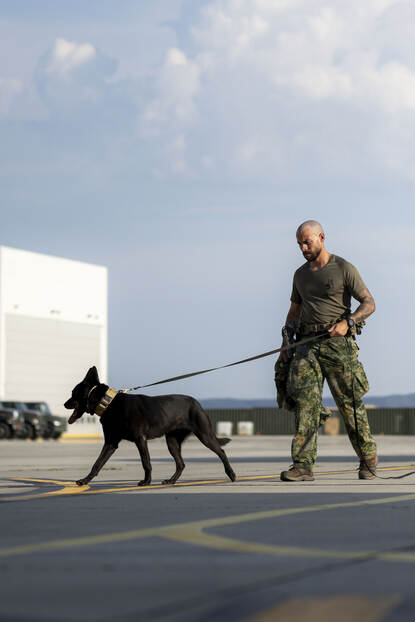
(295, 296)
(354, 282)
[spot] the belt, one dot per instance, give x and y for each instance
(317, 329)
(311, 333)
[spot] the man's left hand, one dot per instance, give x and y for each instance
(339, 330)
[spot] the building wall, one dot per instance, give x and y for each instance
(53, 327)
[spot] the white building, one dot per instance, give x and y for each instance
(53, 327)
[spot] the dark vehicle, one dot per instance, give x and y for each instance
(56, 424)
(12, 424)
(35, 424)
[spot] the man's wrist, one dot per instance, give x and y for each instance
(350, 322)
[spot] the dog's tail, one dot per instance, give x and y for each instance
(224, 441)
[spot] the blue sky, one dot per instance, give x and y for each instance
(180, 143)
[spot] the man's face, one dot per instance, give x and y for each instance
(310, 243)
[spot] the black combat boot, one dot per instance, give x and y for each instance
(367, 468)
(297, 473)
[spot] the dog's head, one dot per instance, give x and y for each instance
(78, 401)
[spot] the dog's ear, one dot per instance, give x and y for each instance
(92, 375)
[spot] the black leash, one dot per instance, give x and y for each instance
(251, 358)
(263, 355)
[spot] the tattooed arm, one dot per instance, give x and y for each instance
(366, 307)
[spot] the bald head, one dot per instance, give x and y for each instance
(312, 225)
(310, 239)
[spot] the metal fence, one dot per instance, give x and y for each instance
(279, 421)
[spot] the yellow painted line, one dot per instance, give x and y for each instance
(67, 488)
(407, 467)
(223, 481)
(70, 488)
(193, 533)
(77, 437)
(58, 545)
(243, 518)
(199, 538)
(37, 480)
(82, 441)
(255, 477)
(341, 608)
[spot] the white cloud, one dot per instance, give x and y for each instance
(174, 105)
(72, 76)
(68, 55)
(394, 84)
(177, 85)
(268, 90)
(274, 86)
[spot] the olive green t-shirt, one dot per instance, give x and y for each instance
(325, 294)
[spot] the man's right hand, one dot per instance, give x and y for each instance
(339, 330)
(292, 319)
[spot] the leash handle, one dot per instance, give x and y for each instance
(247, 360)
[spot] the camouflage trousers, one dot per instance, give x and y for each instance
(336, 361)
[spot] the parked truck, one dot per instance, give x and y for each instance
(38, 420)
(12, 424)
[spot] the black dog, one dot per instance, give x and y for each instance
(138, 418)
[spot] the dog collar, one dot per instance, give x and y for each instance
(105, 401)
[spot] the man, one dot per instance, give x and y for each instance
(320, 304)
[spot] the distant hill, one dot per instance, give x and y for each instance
(230, 402)
(386, 401)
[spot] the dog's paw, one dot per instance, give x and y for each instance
(144, 482)
(82, 482)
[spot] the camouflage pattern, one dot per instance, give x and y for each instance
(283, 399)
(336, 361)
(281, 376)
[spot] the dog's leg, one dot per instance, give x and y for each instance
(202, 428)
(105, 454)
(204, 432)
(141, 444)
(212, 443)
(174, 441)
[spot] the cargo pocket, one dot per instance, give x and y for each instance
(282, 369)
(361, 383)
(304, 376)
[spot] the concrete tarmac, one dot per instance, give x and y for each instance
(257, 550)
